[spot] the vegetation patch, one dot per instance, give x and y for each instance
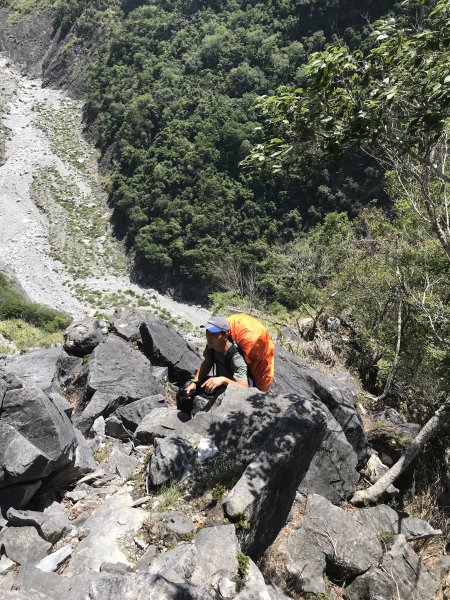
(26, 336)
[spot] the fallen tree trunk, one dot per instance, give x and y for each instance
(374, 492)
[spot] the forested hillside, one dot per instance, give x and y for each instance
(173, 100)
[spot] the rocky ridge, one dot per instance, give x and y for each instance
(108, 491)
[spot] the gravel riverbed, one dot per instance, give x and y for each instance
(55, 236)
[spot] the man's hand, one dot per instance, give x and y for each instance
(213, 383)
(190, 388)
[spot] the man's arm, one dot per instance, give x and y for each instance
(200, 375)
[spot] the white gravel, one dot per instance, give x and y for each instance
(24, 229)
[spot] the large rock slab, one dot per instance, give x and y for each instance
(163, 346)
(328, 538)
(139, 586)
(36, 439)
(46, 368)
(383, 519)
(266, 491)
(83, 463)
(81, 337)
(124, 422)
(401, 574)
(161, 422)
(332, 472)
(31, 579)
(107, 526)
(217, 549)
(117, 375)
(338, 393)
(23, 545)
(51, 524)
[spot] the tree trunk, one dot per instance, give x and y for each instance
(374, 493)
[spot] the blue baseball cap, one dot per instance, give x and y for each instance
(217, 325)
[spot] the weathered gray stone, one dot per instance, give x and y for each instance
(81, 337)
(46, 368)
(114, 568)
(254, 585)
(106, 525)
(401, 574)
(51, 562)
(332, 472)
(160, 423)
(217, 550)
(176, 565)
(83, 463)
(6, 565)
(171, 457)
(267, 489)
(175, 521)
(36, 439)
(276, 593)
(124, 464)
(117, 375)
(384, 519)
(32, 579)
(338, 393)
(167, 348)
(123, 423)
(147, 558)
(23, 545)
(51, 524)
(133, 586)
(16, 595)
(126, 322)
(61, 403)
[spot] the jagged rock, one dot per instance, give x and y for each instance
(254, 586)
(175, 521)
(147, 558)
(82, 463)
(61, 403)
(51, 524)
(383, 519)
(176, 565)
(6, 565)
(51, 562)
(123, 463)
(401, 574)
(164, 347)
(138, 586)
(23, 545)
(332, 472)
(338, 393)
(123, 423)
(328, 537)
(217, 549)
(81, 337)
(106, 525)
(167, 348)
(32, 579)
(267, 489)
(117, 375)
(159, 423)
(172, 456)
(36, 439)
(46, 368)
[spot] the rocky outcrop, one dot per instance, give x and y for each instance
(83, 336)
(117, 375)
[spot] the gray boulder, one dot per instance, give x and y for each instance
(161, 422)
(31, 579)
(332, 472)
(52, 523)
(266, 491)
(46, 368)
(36, 439)
(338, 393)
(123, 423)
(82, 463)
(132, 586)
(328, 538)
(401, 574)
(176, 522)
(383, 519)
(117, 375)
(217, 549)
(122, 463)
(171, 458)
(81, 337)
(23, 545)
